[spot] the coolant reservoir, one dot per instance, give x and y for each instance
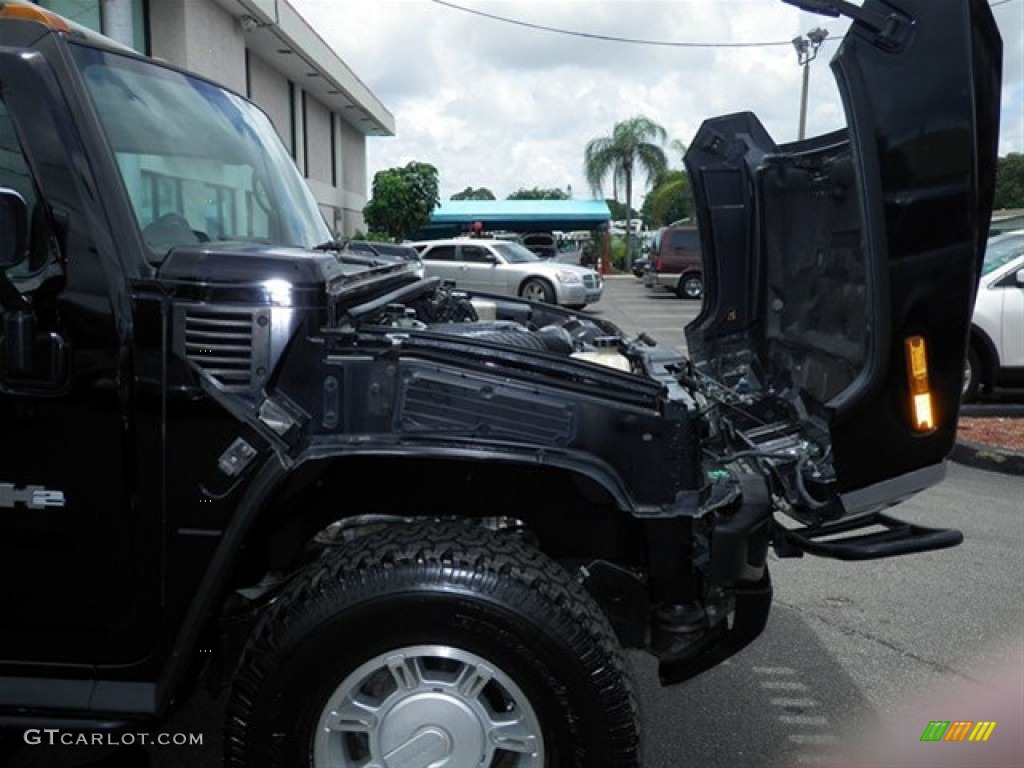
(606, 352)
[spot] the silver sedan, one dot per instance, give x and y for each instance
(508, 268)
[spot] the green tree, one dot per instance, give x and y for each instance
(669, 200)
(469, 193)
(403, 199)
(1009, 181)
(634, 146)
(536, 193)
(618, 210)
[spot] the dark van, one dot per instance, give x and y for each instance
(676, 262)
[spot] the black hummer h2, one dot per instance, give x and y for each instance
(411, 526)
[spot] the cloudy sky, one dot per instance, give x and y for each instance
(503, 106)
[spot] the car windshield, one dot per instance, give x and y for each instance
(514, 253)
(199, 163)
(1001, 250)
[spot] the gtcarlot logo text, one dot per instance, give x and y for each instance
(56, 737)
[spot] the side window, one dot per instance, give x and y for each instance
(440, 253)
(475, 254)
(15, 174)
(684, 240)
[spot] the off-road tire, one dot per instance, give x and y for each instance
(482, 594)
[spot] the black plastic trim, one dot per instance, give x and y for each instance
(753, 603)
(739, 543)
(71, 725)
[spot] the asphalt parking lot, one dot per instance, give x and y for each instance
(657, 312)
(856, 656)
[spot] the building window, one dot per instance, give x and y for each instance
(89, 13)
(248, 75)
(334, 150)
(294, 124)
(305, 138)
(84, 12)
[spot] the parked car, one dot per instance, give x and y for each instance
(676, 262)
(544, 244)
(511, 269)
(640, 266)
(995, 353)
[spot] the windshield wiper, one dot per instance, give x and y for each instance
(331, 245)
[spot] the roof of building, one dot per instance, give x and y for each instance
(453, 217)
(284, 38)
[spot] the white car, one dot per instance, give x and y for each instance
(510, 269)
(995, 355)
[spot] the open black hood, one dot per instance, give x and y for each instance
(836, 266)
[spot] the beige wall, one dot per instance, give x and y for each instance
(353, 152)
(318, 140)
(200, 37)
(269, 89)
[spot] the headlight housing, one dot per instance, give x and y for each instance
(565, 276)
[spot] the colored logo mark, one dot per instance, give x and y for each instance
(958, 730)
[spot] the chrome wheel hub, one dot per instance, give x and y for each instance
(428, 707)
(534, 292)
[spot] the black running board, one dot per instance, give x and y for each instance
(895, 538)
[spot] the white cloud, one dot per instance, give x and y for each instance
(501, 106)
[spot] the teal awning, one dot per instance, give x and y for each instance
(455, 217)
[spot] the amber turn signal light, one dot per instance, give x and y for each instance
(917, 383)
(33, 13)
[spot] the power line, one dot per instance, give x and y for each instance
(610, 38)
(630, 40)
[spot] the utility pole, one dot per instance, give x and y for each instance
(806, 50)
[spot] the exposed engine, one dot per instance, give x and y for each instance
(516, 324)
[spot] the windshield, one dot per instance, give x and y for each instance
(199, 163)
(514, 253)
(1001, 250)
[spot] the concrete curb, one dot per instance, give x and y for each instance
(988, 458)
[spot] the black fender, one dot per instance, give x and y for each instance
(274, 506)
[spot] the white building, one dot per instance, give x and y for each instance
(265, 50)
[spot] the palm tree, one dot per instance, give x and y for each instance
(629, 149)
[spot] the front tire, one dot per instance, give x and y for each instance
(972, 376)
(459, 645)
(536, 289)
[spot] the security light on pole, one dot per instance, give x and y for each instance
(806, 50)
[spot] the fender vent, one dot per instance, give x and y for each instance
(229, 345)
(434, 401)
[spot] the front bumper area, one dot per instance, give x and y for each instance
(572, 294)
(737, 574)
(725, 639)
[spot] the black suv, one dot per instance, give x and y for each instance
(407, 525)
